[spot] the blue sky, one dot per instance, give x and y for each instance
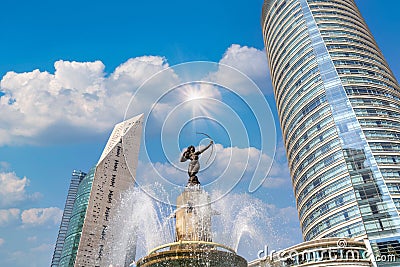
(106, 39)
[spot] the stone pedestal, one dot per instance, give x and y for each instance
(193, 215)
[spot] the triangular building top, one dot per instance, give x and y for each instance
(119, 131)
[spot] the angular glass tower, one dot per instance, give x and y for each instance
(89, 239)
(115, 173)
(339, 109)
(77, 177)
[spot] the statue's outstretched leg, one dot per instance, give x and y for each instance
(193, 180)
(194, 168)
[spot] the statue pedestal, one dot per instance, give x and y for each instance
(193, 215)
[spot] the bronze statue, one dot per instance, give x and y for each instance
(194, 165)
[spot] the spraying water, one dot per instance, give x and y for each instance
(239, 221)
(141, 225)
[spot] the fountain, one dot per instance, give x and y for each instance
(193, 245)
(191, 233)
(239, 221)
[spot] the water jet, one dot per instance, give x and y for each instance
(193, 245)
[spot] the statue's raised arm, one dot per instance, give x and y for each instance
(204, 149)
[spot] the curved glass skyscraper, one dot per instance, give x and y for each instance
(73, 234)
(76, 179)
(339, 108)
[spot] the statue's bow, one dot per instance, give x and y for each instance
(212, 146)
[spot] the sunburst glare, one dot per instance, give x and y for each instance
(199, 97)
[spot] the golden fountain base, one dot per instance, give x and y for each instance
(193, 254)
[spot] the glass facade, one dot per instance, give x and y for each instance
(339, 108)
(77, 177)
(73, 233)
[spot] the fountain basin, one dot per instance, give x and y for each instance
(194, 254)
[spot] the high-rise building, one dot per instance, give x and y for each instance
(76, 178)
(339, 109)
(89, 239)
(74, 230)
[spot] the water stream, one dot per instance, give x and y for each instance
(239, 221)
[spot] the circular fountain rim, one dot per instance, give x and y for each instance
(210, 244)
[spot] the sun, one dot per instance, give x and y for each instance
(200, 99)
(193, 94)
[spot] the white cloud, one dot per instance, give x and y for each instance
(12, 189)
(251, 61)
(136, 71)
(2, 241)
(41, 216)
(8, 216)
(79, 76)
(37, 107)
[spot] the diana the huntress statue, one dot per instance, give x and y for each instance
(194, 165)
